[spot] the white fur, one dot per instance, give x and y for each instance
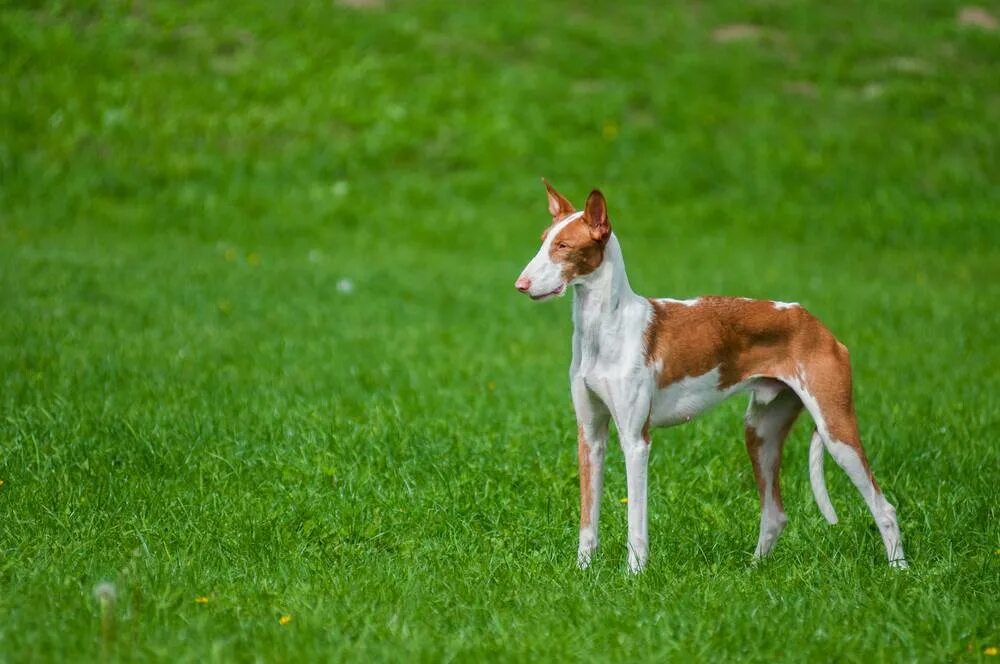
(687, 303)
(818, 481)
(784, 305)
(766, 390)
(883, 512)
(681, 401)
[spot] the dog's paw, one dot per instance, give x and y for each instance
(636, 564)
(585, 556)
(588, 545)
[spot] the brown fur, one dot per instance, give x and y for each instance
(746, 338)
(576, 250)
(586, 495)
(754, 443)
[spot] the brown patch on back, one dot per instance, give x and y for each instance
(743, 338)
(747, 338)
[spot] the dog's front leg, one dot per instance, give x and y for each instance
(633, 434)
(592, 435)
(636, 449)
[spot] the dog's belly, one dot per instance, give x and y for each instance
(687, 398)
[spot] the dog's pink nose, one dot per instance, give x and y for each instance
(522, 284)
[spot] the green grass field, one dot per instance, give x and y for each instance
(259, 342)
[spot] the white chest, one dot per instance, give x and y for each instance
(687, 398)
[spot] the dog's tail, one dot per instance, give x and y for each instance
(817, 480)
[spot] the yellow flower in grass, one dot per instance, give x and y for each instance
(623, 501)
(201, 599)
(285, 619)
(991, 651)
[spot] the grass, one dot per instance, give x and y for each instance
(259, 342)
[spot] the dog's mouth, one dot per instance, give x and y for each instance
(558, 291)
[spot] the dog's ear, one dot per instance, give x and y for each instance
(559, 207)
(596, 215)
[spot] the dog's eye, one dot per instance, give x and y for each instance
(562, 245)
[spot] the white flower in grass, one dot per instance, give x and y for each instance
(105, 592)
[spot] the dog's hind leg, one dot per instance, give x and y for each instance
(825, 389)
(766, 425)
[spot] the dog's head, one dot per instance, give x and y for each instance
(572, 246)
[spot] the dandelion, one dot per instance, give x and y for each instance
(105, 593)
(201, 599)
(285, 619)
(623, 501)
(991, 651)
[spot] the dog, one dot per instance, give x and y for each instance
(660, 362)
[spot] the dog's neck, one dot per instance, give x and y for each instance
(600, 298)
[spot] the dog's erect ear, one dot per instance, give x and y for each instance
(596, 216)
(559, 207)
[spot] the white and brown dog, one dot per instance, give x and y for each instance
(659, 362)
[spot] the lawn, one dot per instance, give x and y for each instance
(263, 369)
